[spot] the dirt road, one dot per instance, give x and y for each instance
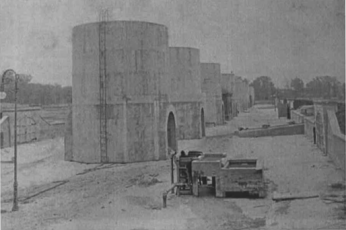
(66, 195)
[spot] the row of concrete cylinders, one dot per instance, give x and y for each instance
(139, 62)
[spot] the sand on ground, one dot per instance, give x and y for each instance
(55, 194)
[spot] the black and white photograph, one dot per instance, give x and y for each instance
(172, 115)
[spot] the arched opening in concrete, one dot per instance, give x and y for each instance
(250, 100)
(202, 123)
(171, 132)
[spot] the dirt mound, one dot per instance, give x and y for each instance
(144, 180)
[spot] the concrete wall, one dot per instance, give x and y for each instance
(211, 86)
(297, 117)
(137, 59)
(335, 146)
(328, 135)
(327, 131)
(321, 119)
(309, 125)
(185, 91)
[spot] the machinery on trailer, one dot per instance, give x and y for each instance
(184, 172)
(241, 175)
(197, 170)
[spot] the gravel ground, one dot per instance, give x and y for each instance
(55, 194)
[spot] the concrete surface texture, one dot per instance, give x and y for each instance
(136, 61)
(211, 86)
(57, 194)
(185, 91)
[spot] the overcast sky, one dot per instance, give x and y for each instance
(277, 38)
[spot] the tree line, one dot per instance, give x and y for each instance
(323, 87)
(36, 94)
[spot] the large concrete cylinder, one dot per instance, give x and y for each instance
(185, 91)
(136, 58)
(211, 86)
(227, 81)
(251, 96)
(185, 74)
(238, 93)
(227, 91)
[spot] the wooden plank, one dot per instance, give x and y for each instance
(291, 196)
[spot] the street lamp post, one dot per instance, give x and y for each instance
(15, 183)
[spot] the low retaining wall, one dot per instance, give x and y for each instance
(281, 130)
(297, 116)
(309, 125)
(29, 130)
(335, 146)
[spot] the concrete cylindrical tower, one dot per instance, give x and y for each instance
(211, 86)
(238, 93)
(185, 91)
(251, 96)
(136, 58)
(226, 82)
(226, 86)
